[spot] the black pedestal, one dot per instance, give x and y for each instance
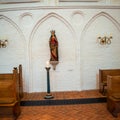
(48, 95)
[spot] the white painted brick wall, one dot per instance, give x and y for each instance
(80, 55)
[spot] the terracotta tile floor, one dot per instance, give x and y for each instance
(65, 112)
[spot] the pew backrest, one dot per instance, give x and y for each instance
(113, 85)
(9, 91)
(104, 72)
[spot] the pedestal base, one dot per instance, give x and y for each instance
(48, 96)
(54, 63)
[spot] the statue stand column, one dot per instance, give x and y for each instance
(48, 95)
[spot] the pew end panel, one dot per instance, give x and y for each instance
(9, 95)
(113, 95)
(20, 81)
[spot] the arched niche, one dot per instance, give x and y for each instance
(14, 54)
(61, 78)
(95, 56)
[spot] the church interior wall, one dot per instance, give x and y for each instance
(27, 28)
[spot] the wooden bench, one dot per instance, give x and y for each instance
(103, 78)
(10, 94)
(113, 95)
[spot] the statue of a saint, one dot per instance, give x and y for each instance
(53, 43)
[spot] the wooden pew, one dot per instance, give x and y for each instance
(9, 95)
(113, 95)
(103, 78)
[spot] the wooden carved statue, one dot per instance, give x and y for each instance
(53, 46)
(53, 43)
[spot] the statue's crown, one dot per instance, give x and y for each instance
(52, 31)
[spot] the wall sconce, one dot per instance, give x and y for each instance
(3, 43)
(105, 40)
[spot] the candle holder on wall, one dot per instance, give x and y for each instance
(3, 43)
(105, 40)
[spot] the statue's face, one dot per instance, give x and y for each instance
(52, 34)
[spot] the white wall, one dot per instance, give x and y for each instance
(27, 28)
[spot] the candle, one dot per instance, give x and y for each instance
(47, 64)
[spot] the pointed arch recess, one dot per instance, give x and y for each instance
(49, 15)
(11, 22)
(109, 17)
